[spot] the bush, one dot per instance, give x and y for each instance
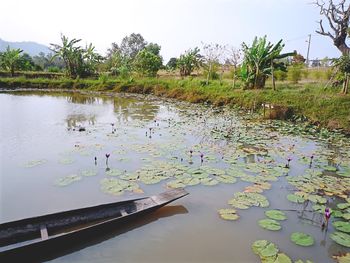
(280, 75)
(294, 73)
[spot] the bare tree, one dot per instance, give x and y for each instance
(337, 13)
(213, 54)
(234, 58)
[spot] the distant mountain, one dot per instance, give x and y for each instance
(32, 48)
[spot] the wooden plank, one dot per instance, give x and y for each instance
(43, 232)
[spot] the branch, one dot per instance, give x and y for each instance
(322, 32)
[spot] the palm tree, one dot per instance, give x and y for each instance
(260, 60)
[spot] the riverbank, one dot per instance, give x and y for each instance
(324, 107)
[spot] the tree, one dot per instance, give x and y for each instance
(147, 63)
(298, 58)
(343, 64)
(171, 65)
(10, 60)
(212, 56)
(337, 15)
(189, 61)
(234, 58)
(131, 45)
(79, 62)
(260, 60)
(153, 48)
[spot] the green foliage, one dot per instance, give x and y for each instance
(280, 75)
(171, 65)
(189, 61)
(259, 61)
(132, 45)
(79, 62)
(343, 63)
(10, 60)
(147, 63)
(295, 73)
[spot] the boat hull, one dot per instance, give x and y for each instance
(57, 245)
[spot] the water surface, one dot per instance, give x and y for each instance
(41, 144)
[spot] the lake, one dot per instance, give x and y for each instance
(48, 165)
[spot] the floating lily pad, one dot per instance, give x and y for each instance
(34, 163)
(66, 161)
(117, 187)
(330, 168)
(342, 226)
(246, 200)
(343, 258)
(269, 224)
(282, 258)
(228, 214)
(302, 239)
(295, 198)
(276, 215)
(114, 172)
(68, 180)
(343, 206)
(317, 199)
(90, 172)
(264, 248)
(341, 238)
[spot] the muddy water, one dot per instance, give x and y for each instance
(40, 144)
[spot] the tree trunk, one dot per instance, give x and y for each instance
(209, 72)
(273, 78)
(343, 48)
(346, 84)
(234, 77)
(12, 71)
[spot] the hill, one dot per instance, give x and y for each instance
(32, 48)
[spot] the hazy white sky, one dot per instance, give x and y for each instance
(174, 24)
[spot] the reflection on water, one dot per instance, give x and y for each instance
(77, 120)
(34, 128)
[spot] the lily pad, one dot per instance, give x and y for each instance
(117, 187)
(34, 163)
(91, 172)
(342, 226)
(246, 200)
(67, 180)
(302, 239)
(282, 258)
(114, 172)
(330, 168)
(342, 206)
(343, 258)
(276, 214)
(295, 198)
(269, 224)
(264, 248)
(341, 238)
(66, 161)
(228, 214)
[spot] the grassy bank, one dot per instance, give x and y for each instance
(322, 106)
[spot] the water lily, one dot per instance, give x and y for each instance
(288, 162)
(107, 156)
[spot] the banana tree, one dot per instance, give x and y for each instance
(79, 62)
(260, 60)
(10, 60)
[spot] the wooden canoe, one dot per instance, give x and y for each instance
(18, 238)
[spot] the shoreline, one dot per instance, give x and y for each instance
(324, 109)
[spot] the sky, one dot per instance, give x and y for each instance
(175, 25)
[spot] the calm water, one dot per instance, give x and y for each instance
(40, 144)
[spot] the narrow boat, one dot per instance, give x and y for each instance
(20, 238)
